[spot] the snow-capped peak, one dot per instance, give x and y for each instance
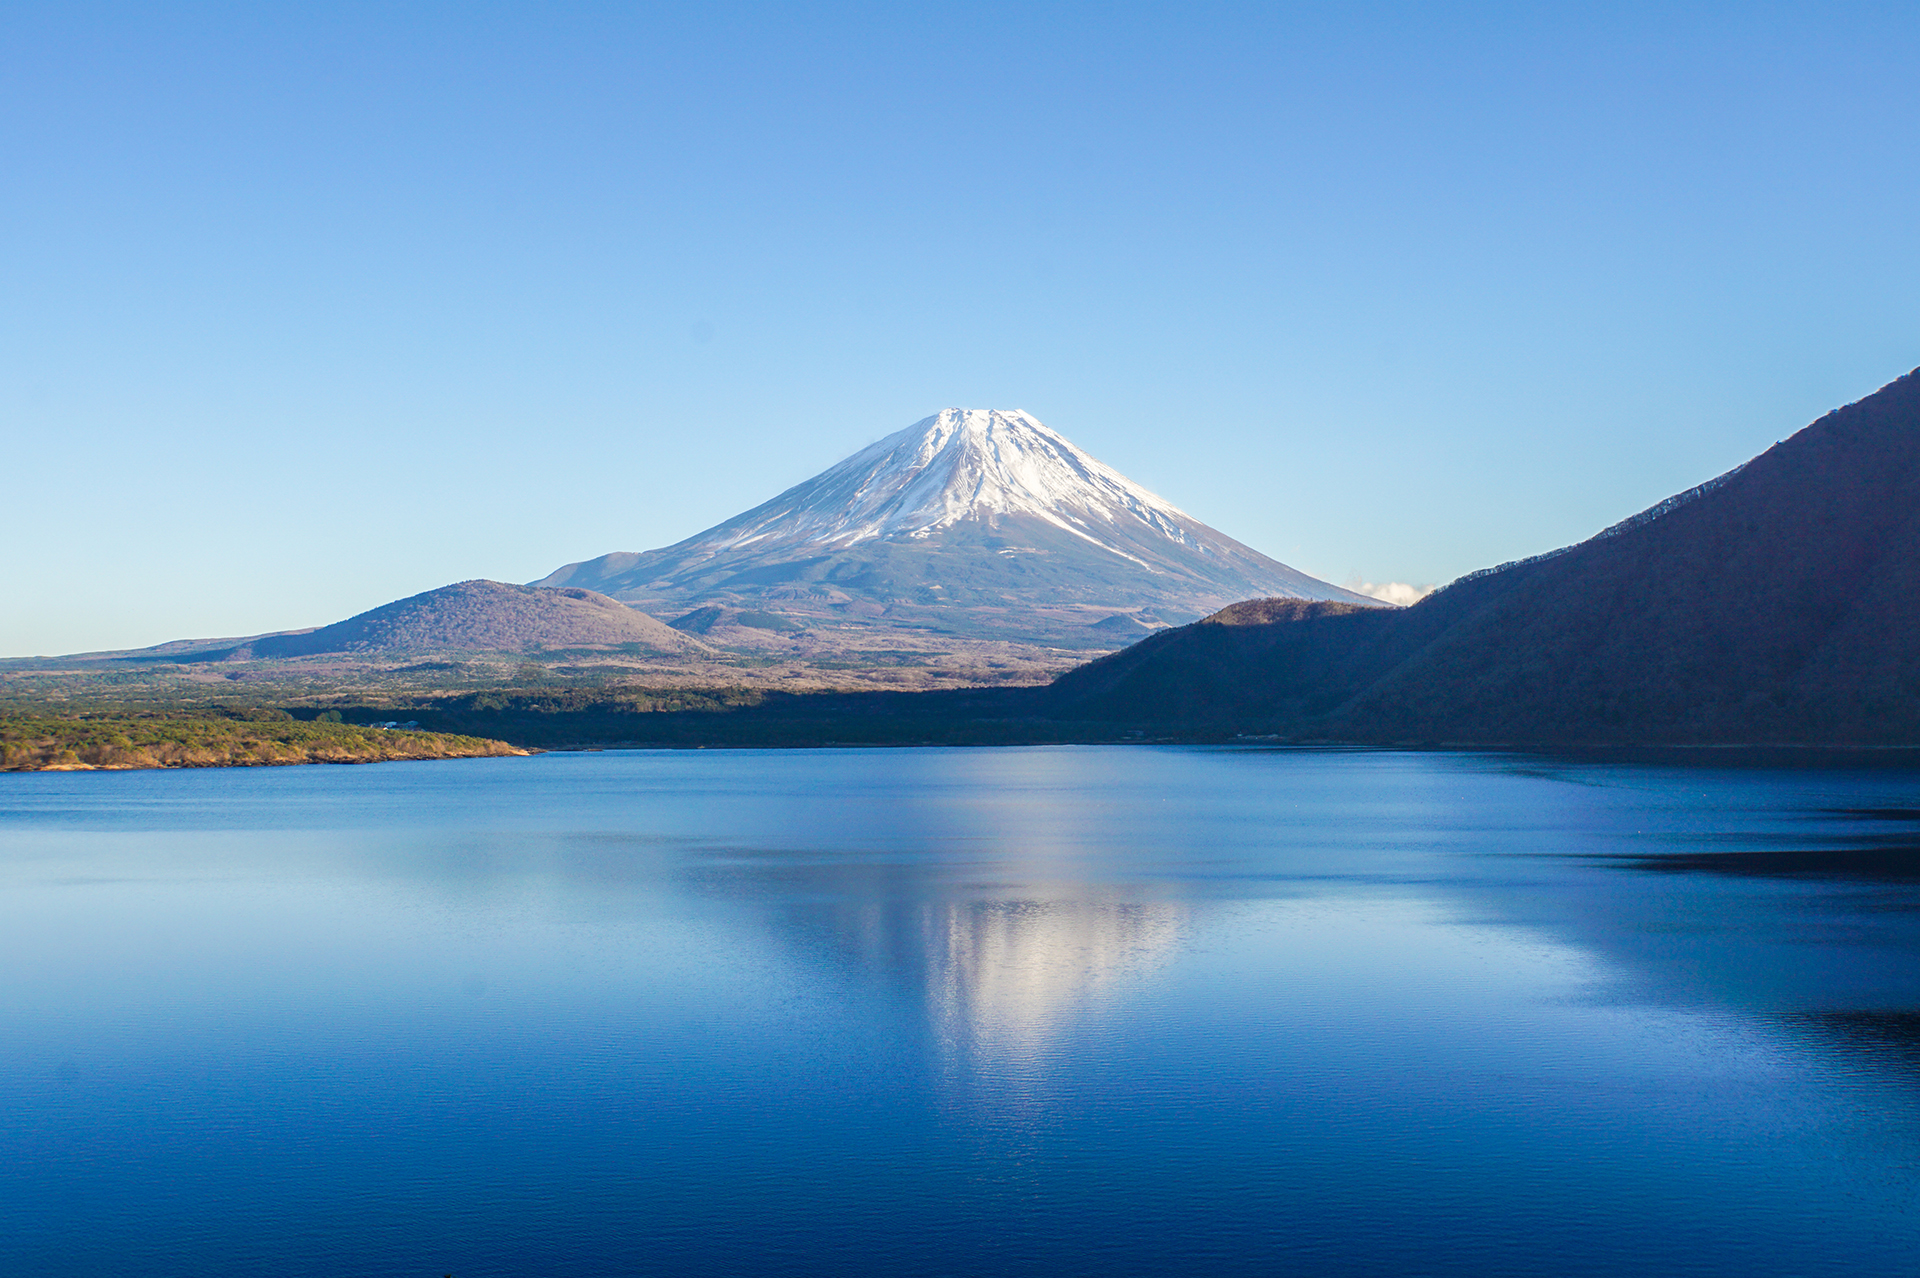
(960, 464)
(969, 509)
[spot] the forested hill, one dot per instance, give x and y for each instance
(1778, 604)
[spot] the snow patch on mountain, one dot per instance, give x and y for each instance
(961, 464)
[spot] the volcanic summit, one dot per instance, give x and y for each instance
(972, 521)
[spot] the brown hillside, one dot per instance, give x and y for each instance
(484, 616)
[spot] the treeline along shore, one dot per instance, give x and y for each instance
(60, 740)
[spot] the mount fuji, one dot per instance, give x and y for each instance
(980, 523)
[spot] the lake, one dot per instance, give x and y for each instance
(1060, 1011)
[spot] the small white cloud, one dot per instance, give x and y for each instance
(1394, 592)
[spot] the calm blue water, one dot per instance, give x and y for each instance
(1050, 1011)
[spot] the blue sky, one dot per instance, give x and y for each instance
(305, 310)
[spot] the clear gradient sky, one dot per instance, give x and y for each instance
(306, 308)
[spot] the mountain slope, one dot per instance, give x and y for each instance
(1780, 603)
(482, 616)
(967, 519)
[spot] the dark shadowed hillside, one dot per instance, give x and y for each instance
(1780, 603)
(483, 616)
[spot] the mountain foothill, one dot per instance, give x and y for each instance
(483, 616)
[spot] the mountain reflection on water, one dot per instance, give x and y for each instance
(1072, 1011)
(996, 965)
(999, 976)
(1006, 973)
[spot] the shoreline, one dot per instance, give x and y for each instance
(105, 741)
